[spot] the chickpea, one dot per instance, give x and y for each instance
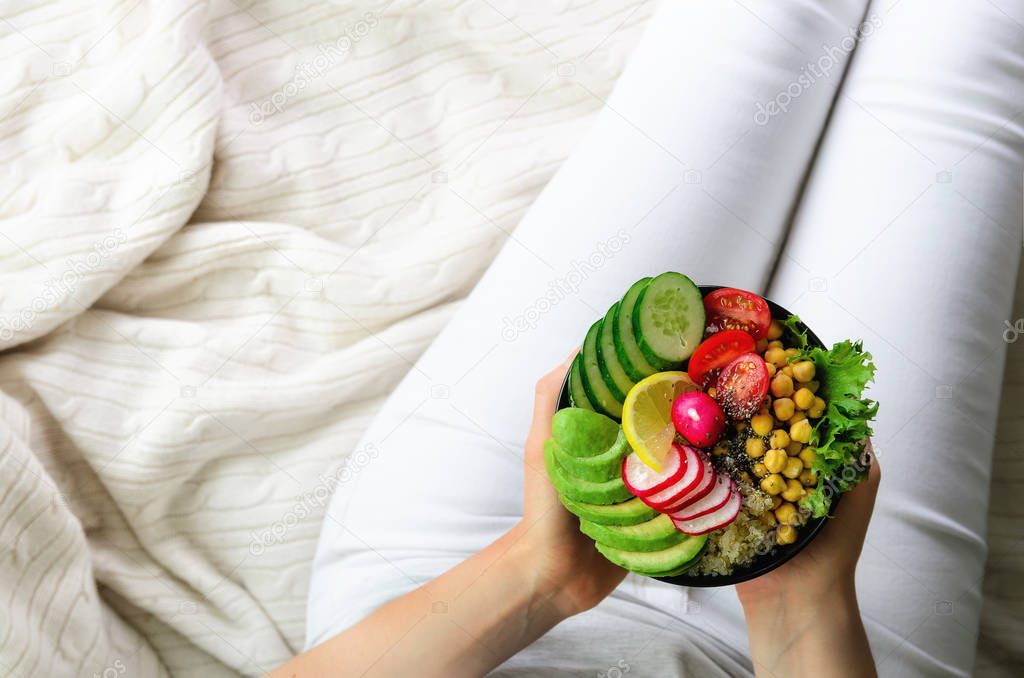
(782, 385)
(791, 352)
(775, 461)
(793, 467)
(775, 330)
(793, 490)
(714, 391)
(807, 456)
(776, 356)
(817, 408)
(813, 386)
(774, 484)
(745, 477)
(776, 343)
(772, 369)
(798, 416)
(762, 424)
(785, 535)
(801, 431)
(803, 370)
(754, 448)
(760, 470)
(803, 398)
(765, 406)
(761, 346)
(720, 450)
(784, 408)
(776, 502)
(808, 478)
(794, 448)
(739, 426)
(787, 514)
(768, 518)
(779, 439)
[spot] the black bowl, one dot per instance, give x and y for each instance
(766, 562)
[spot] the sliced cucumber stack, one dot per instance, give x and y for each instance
(668, 320)
(608, 359)
(598, 392)
(629, 354)
(577, 394)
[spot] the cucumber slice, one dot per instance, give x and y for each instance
(629, 354)
(669, 320)
(656, 563)
(608, 360)
(656, 534)
(577, 489)
(577, 394)
(598, 468)
(632, 512)
(583, 433)
(600, 396)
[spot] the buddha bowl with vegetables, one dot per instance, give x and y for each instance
(704, 434)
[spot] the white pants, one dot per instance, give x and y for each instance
(888, 209)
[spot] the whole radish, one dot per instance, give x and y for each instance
(698, 418)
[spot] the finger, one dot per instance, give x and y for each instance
(544, 403)
(857, 505)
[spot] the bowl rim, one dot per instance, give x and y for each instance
(764, 563)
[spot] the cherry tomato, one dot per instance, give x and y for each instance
(716, 352)
(698, 418)
(733, 309)
(742, 386)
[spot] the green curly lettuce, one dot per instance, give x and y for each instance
(839, 437)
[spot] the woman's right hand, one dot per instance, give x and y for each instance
(802, 618)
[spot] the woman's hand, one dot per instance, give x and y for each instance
(802, 618)
(566, 560)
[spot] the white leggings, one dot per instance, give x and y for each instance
(888, 209)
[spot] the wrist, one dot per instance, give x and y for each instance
(546, 582)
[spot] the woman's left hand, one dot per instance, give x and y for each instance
(566, 558)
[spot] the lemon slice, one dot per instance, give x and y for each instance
(647, 415)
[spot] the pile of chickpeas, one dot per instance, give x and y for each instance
(777, 442)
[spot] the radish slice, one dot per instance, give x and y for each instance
(715, 520)
(696, 468)
(709, 503)
(702, 488)
(642, 480)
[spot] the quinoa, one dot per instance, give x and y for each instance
(743, 539)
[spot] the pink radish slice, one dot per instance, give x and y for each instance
(711, 502)
(704, 485)
(715, 520)
(696, 468)
(642, 480)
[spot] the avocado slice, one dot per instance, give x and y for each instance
(656, 534)
(583, 433)
(600, 467)
(581, 490)
(656, 563)
(632, 512)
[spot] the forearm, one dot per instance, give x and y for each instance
(464, 623)
(820, 636)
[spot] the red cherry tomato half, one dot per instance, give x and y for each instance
(716, 352)
(742, 386)
(733, 309)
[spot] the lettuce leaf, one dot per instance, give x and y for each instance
(844, 371)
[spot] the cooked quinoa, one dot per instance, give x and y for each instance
(743, 539)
